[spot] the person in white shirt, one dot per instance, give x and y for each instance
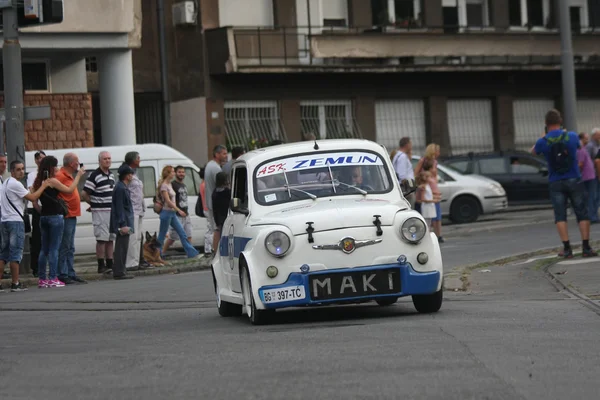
(13, 197)
(403, 165)
(35, 241)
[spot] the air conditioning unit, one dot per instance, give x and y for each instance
(184, 13)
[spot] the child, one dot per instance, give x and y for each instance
(220, 201)
(426, 197)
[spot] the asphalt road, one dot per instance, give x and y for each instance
(513, 337)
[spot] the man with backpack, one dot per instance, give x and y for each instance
(559, 147)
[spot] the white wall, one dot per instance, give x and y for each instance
(246, 13)
(68, 75)
(188, 129)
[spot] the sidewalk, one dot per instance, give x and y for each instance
(580, 276)
(86, 267)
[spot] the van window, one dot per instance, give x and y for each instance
(148, 178)
(192, 181)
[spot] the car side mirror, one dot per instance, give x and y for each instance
(237, 207)
(408, 186)
(544, 171)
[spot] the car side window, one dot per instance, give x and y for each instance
(192, 181)
(444, 176)
(146, 175)
(460, 166)
(492, 165)
(240, 185)
(524, 165)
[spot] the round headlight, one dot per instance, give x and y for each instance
(277, 243)
(413, 230)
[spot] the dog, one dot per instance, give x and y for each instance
(152, 251)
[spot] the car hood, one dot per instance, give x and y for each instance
(330, 214)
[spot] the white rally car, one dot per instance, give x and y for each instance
(317, 223)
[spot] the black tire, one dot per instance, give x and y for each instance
(464, 210)
(225, 308)
(387, 301)
(428, 303)
(256, 317)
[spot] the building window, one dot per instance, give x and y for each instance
(477, 13)
(91, 64)
(252, 124)
(35, 76)
(399, 13)
(328, 119)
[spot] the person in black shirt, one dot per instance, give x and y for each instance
(220, 201)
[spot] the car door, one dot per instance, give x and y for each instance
(448, 187)
(496, 168)
(529, 178)
(234, 228)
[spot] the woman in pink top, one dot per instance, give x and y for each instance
(429, 163)
(203, 191)
(588, 176)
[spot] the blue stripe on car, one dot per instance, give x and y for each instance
(239, 244)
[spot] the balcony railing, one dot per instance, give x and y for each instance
(399, 47)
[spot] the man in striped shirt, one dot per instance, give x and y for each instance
(97, 192)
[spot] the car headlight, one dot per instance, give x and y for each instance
(413, 230)
(277, 243)
(497, 189)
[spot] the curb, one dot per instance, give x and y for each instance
(462, 270)
(561, 287)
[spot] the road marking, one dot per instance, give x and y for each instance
(534, 259)
(573, 262)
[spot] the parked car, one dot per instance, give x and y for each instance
(466, 197)
(523, 176)
(318, 223)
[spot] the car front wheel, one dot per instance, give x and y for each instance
(464, 209)
(256, 316)
(225, 308)
(428, 303)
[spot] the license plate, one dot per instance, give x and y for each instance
(284, 294)
(354, 284)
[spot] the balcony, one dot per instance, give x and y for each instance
(383, 49)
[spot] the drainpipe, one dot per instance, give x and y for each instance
(309, 30)
(164, 71)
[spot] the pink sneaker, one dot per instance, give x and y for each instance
(55, 283)
(43, 283)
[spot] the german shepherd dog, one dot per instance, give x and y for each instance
(152, 251)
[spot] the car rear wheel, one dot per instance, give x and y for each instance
(225, 308)
(387, 302)
(464, 209)
(428, 303)
(256, 316)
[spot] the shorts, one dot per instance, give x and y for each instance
(186, 222)
(572, 190)
(101, 223)
(13, 240)
(438, 212)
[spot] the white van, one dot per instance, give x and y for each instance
(153, 158)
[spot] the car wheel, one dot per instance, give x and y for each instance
(428, 303)
(387, 301)
(256, 317)
(464, 209)
(226, 309)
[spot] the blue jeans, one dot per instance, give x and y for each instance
(66, 254)
(169, 219)
(13, 240)
(573, 190)
(52, 230)
(591, 189)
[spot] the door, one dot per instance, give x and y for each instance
(529, 178)
(447, 186)
(235, 227)
(495, 167)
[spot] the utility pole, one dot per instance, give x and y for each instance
(13, 86)
(567, 68)
(164, 71)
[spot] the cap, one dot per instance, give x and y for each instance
(125, 170)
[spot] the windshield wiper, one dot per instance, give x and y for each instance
(288, 187)
(361, 191)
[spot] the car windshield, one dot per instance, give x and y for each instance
(301, 177)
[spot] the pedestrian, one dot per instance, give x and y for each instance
(136, 194)
(97, 192)
(181, 199)
(236, 153)
(559, 147)
(432, 153)
(220, 200)
(66, 254)
(593, 148)
(3, 164)
(588, 177)
(13, 196)
(122, 221)
(169, 212)
(52, 221)
(35, 241)
(427, 202)
(210, 175)
(403, 165)
(203, 191)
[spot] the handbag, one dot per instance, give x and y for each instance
(64, 208)
(25, 216)
(158, 205)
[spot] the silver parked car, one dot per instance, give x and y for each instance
(466, 197)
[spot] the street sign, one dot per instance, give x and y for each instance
(32, 113)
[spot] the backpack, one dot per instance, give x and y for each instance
(558, 157)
